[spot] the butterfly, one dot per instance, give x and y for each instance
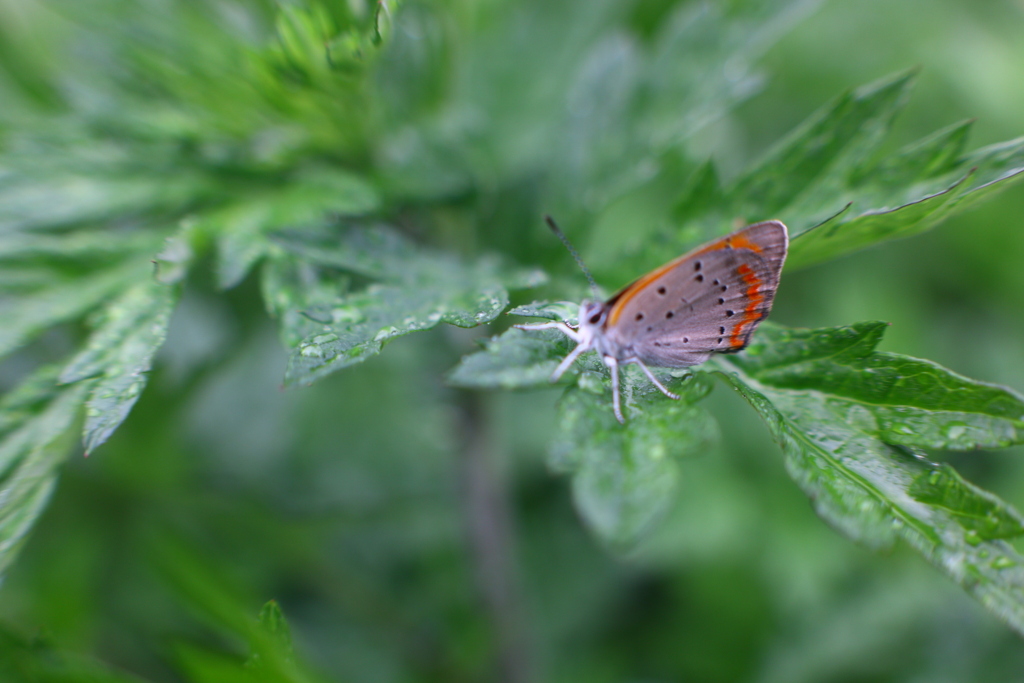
(709, 300)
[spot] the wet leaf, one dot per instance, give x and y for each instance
(119, 355)
(625, 477)
(25, 315)
(520, 358)
(243, 228)
(977, 510)
(36, 433)
(829, 144)
(828, 182)
(416, 290)
(515, 359)
(906, 401)
(850, 421)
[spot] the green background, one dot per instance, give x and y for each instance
(346, 502)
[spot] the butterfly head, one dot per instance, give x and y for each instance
(593, 315)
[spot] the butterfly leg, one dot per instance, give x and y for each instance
(613, 365)
(554, 324)
(568, 361)
(654, 380)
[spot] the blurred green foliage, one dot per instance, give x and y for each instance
(338, 175)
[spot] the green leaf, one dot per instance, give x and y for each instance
(625, 477)
(58, 199)
(416, 290)
(215, 598)
(119, 353)
(839, 410)
(272, 621)
(35, 660)
(831, 162)
(36, 421)
(997, 168)
(831, 142)
(26, 315)
(902, 400)
(84, 246)
(840, 235)
(977, 510)
(521, 358)
(243, 228)
(515, 359)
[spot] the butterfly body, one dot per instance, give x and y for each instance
(707, 301)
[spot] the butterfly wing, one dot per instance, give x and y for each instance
(708, 300)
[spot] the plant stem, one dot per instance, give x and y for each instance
(489, 526)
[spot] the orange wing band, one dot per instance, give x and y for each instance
(755, 298)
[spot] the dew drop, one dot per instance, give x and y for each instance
(321, 339)
(346, 314)
(955, 430)
(1003, 562)
(310, 350)
(385, 333)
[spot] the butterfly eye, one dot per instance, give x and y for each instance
(596, 318)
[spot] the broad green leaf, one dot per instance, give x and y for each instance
(977, 510)
(842, 234)
(520, 358)
(804, 166)
(565, 311)
(119, 355)
(828, 182)
(242, 228)
(36, 421)
(837, 408)
(291, 286)
(515, 359)
(910, 402)
(625, 477)
(27, 314)
(997, 167)
(416, 290)
(924, 184)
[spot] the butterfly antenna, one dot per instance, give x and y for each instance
(575, 254)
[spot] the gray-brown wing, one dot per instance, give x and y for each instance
(706, 301)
